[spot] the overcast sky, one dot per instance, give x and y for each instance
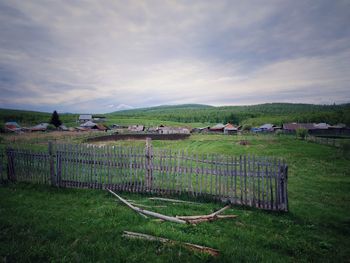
(101, 56)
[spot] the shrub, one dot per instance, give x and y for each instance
(246, 127)
(51, 127)
(301, 133)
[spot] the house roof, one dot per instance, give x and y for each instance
(218, 126)
(85, 117)
(88, 124)
(136, 128)
(267, 126)
(12, 123)
(101, 127)
(230, 127)
(322, 126)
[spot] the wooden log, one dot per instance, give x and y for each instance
(203, 249)
(146, 212)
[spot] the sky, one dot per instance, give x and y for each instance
(102, 56)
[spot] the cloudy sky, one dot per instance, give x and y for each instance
(101, 56)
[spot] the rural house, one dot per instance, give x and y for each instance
(173, 130)
(201, 130)
(136, 128)
(39, 127)
(230, 129)
(219, 128)
(292, 127)
(12, 126)
(268, 127)
(88, 124)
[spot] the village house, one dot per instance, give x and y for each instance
(201, 130)
(230, 129)
(39, 127)
(267, 127)
(12, 126)
(292, 127)
(218, 128)
(136, 128)
(172, 130)
(89, 125)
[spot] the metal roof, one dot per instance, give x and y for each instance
(85, 117)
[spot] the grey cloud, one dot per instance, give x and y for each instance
(100, 53)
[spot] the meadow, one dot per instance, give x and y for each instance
(42, 223)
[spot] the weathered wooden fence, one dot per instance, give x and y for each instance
(324, 140)
(247, 180)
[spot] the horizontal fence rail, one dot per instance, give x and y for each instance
(325, 141)
(246, 180)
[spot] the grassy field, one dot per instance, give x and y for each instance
(40, 223)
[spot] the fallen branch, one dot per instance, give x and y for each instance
(171, 200)
(203, 249)
(207, 218)
(149, 206)
(146, 212)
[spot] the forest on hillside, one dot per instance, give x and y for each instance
(277, 113)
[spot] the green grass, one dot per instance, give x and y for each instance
(40, 223)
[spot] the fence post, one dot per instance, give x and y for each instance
(283, 187)
(286, 206)
(52, 165)
(11, 175)
(149, 164)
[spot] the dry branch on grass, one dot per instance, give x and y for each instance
(177, 219)
(149, 213)
(172, 200)
(207, 218)
(202, 249)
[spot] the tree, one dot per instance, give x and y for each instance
(55, 119)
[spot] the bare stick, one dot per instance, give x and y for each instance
(146, 212)
(220, 211)
(171, 200)
(149, 206)
(203, 249)
(205, 217)
(215, 214)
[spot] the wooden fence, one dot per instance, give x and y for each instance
(246, 180)
(325, 141)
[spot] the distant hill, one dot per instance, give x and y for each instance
(164, 108)
(276, 113)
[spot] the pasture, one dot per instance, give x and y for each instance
(42, 223)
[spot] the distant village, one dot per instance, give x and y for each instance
(88, 122)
